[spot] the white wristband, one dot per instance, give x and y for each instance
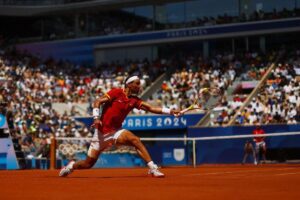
(96, 112)
(166, 110)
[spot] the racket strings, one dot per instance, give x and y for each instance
(199, 100)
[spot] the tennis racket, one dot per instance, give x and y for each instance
(212, 91)
(203, 93)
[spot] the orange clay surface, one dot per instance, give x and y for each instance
(224, 182)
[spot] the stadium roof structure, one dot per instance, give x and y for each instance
(37, 8)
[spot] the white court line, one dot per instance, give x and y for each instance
(218, 173)
(287, 174)
(239, 171)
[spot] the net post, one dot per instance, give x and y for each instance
(52, 153)
(194, 153)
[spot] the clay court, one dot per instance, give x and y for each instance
(204, 182)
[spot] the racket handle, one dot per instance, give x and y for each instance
(184, 110)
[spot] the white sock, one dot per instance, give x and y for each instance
(151, 165)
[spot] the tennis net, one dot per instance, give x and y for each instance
(195, 150)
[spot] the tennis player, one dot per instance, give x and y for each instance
(260, 144)
(117, 103)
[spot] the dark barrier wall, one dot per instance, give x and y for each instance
(81, 50)
(231, 151)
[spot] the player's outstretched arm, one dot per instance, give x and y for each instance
(159, 110)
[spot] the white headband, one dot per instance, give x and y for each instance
(132, 79)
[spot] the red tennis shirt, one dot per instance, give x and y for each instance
(116, 109)
(256, 132)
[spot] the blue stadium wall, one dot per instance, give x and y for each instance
(231, 150)
(180, 153)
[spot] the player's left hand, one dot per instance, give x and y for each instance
(176, 112)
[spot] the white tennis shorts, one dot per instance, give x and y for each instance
(100, 142)
(259, 145)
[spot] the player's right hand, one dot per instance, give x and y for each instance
(97, 123)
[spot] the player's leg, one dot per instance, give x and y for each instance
(128, 138)
(257, 152)
(125, 137)
(254, 154)
(92, 157)
(245, 157)
(245, 153)
(264, 151)
(90, 160)
(88, 163)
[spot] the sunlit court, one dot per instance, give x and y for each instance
(213, 182)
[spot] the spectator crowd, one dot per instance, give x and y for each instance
(278, 100)
(28, 87)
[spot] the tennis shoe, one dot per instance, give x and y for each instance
(66, 170)
(156, 173)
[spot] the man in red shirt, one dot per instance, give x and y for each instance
(260, 145)
(117, 103)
